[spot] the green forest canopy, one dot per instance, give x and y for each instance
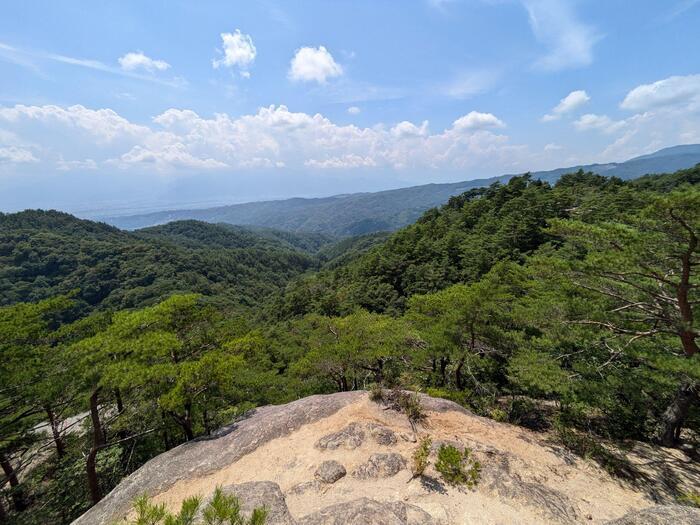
(567, 308)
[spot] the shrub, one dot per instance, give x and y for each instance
(691, 499)
(457, 468)
(411, 406)
(408, 403)
(223, 509)
(421, 457)
(376, 393)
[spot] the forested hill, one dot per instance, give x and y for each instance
(568, 308)
(47, 253)
(197, 234)
(462, 240)
(360, 213)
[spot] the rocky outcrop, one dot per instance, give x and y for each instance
(202, 456)
(294, 460)
(660, 515)
(363, 511)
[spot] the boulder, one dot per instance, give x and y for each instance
(262, 494)
(380, 466)
(349, 438)
(382, 435)
(330, 472)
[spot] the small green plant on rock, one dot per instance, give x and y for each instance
(223, 509)
(420, 458)
(692, 499)
(457, 468)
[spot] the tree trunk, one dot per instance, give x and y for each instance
(3, 513)
(187, 429)
(17, 494)
(205, 421)
(120, 402)
(56, 432)
(443, 370)
(185, 422)
(675, 415)
(459, 383)
(97, 443)
(166, 435)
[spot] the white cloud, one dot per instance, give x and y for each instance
(137, 60)
(33, 59)
(311, 64)
(471, 83)
(239, 51)
(680, 8)
(354, 110)
(73, 165)
(569, 41)
(671, 91)
(16, 155)
(475, 120)
(180, 140)
(439, 4)
(344, 162)
(408, 129)
(169, 156)
(104, 124)
(602, 123)
(569, 103)
(553, 147)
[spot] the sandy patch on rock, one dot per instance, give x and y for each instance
(518, 468)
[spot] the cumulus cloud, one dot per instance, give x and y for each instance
(170, 155)
(475, 120)
(16, 155)
(669, 92)
(591, 121)
(354, 110)
(103, 124)
(569, 41)
(238, 50)
(408, 129)
(180, 140)
(568, 104)
(311, 64)
(665, 114)
(137, 60)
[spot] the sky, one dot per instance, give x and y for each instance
(125, 106)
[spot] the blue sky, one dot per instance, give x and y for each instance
(135, 105)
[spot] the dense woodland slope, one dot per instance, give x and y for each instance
(43, 254)
(568, 308)
(360, 213)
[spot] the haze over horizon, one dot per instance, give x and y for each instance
(133, 106)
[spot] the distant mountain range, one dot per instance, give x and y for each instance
(360, 213)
